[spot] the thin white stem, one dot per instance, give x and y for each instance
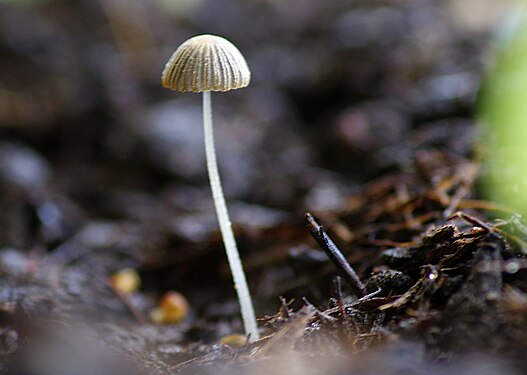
(240, 283)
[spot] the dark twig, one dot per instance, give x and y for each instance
(370, 295)
(338, 294)
(334, 253)
(476, 222)
(285, 308)
(321, 314)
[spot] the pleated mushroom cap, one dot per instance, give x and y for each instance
(206, 63)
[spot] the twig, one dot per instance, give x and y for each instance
(285, 308)
(476, 222)
(334, 253)
(370, 295)
(338, 294)
(317, 311)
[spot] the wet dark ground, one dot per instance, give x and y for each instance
(359, 112)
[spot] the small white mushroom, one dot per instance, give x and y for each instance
(208, 63)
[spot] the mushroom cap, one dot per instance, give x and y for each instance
(206, 63)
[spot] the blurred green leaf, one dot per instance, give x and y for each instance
(503, 113)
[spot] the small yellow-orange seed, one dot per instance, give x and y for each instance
(236, 340)
(173, 308)
(126, 280)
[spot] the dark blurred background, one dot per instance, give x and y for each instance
(95, 155)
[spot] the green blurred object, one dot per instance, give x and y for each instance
(503, 113)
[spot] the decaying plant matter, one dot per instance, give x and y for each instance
(430, 264)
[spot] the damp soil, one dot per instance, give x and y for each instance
(366, 126)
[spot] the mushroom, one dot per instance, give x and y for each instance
(208, 63)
